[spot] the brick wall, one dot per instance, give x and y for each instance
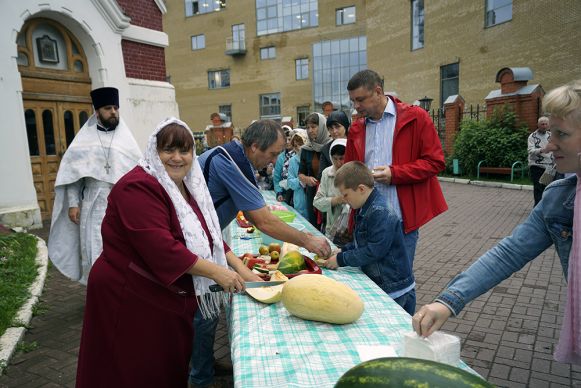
(143, 13)
(526, 107)
(454, 112)
(143, 61)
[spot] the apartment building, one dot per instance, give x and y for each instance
(253, 59)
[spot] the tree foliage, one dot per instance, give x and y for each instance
(497, 140)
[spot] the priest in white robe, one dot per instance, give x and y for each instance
(101, 153)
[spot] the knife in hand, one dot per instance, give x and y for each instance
(217, 287)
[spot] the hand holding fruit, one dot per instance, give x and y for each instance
(331, 263)
(318, 245)
(430, 318)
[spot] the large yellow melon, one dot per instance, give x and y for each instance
(319, 298)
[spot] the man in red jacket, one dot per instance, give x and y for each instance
(399, 143)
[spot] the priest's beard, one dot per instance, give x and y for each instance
(110, 123)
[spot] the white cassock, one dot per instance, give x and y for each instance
(84, 181)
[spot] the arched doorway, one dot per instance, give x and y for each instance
(55, 92)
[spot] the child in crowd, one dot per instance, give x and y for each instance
(378, 244)
(328, 198)
(293, 182)
(280, 174)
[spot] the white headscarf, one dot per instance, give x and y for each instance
(196, 239)
(322, 138)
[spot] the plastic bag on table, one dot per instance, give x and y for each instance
(339, 231)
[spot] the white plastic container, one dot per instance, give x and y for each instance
(440, 347)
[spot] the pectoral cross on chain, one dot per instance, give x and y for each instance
(107, 167)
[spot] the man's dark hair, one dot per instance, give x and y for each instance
(353, 174)
(263, 133)
(368, 79)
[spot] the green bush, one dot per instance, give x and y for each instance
(497, 140)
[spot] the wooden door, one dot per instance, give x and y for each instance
(51, 127)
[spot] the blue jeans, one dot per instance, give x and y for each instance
(408, 301)
(411, 241)
(202, 372)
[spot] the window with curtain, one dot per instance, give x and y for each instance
(449, 81)
(198, 42)
(302, 68)
(498, 11)
(345, 16)
(417, 24)
(270, 106)
(218, 79)
(196, 7)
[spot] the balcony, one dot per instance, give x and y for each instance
(235, 47)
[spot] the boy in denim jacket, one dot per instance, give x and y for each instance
(378, 244)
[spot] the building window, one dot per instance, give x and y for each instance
(345, 15)
(270, 106)
(302, 68)
(196, 7)
(417, 24)
(227, 110)
(238, 37)
(274, 16)
(498, 11)
(218, 79)
(268, 52)
(334, 63)
(198, 42)
(449, 81)
(302, 113)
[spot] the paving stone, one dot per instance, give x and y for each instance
(500, 371)
(519, 375)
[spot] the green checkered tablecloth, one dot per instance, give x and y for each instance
(271, 348)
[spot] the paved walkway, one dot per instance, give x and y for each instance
(508, 334)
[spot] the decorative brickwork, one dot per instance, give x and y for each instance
(523, 99)
(454, 111)
(143, 61)
(143, 13)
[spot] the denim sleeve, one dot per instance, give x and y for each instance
(381, 226)
(527, 241)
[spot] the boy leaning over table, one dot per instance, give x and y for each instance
(378, 245)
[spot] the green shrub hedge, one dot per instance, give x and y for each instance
(498, 140)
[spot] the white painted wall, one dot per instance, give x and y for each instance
(98, 25)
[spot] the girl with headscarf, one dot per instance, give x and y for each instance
(328, 198)
(338, 127)
(280, 175)
(162, 249)
(294, 184)
(312, 158)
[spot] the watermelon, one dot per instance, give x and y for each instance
(408, 372)
(292, 262)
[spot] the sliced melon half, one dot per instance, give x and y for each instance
(271, 294)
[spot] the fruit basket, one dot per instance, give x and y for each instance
(312, 267)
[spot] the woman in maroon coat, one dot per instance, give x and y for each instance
(162, 249)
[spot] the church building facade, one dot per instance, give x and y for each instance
(53, 54)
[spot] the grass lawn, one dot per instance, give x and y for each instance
(18, 269)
